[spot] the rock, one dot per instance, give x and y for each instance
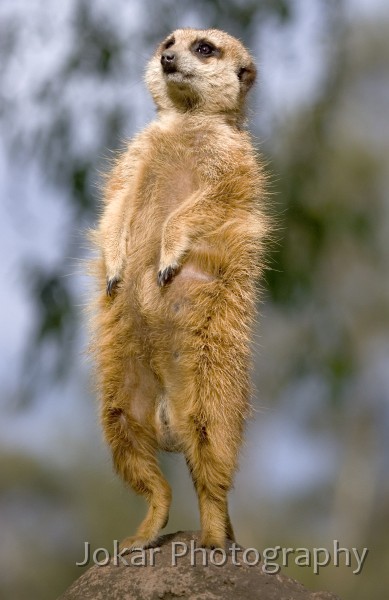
(163, 573)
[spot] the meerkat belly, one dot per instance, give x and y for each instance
(192, 272)
(201, 264)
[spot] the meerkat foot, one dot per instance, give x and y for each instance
(112, 283)
(166, 275)
(134, 543)
(212, 542)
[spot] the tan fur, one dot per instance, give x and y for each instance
(181, 236)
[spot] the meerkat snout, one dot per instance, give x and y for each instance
(168, 61)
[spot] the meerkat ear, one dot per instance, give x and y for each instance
(247, 75)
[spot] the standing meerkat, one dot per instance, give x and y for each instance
(180, 240)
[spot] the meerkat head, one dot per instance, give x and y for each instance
(204, 70)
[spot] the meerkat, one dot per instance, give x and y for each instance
(180, 241)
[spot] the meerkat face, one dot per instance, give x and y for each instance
(207, 70)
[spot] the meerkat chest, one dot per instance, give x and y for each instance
(177, 165)
(173, 175)
(176, 184)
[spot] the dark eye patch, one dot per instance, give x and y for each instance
(170, 42)
(205, 49)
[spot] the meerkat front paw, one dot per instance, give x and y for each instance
(166, 274)
(112, 283)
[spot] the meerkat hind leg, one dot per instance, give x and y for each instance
(216, 525)
(143, 474)
(229, 529)
(212, 472)
(134, 452)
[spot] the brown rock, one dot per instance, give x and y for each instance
(160, 578)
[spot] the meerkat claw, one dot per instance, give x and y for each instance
(166, 275)
(111, 285)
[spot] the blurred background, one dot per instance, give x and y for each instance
(315, 465)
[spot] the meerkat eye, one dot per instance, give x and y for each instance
(205, 49)
(169, 43)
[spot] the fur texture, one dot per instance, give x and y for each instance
(180, 241)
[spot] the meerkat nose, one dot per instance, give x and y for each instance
(168, 61)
